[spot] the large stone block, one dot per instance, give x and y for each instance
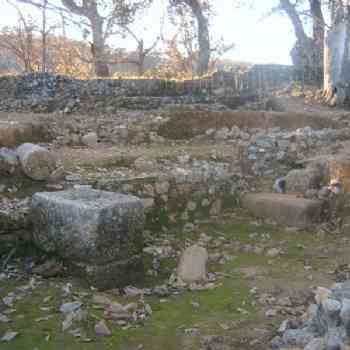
(301, 180)
(284, 209)
(89, 227)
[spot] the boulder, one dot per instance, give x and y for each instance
(192, 266)
(36, 161)
(301, 180)
(101, 329)
(325, 326)
(9, 163)
(90, 140)
(98, 233)
(288, 210)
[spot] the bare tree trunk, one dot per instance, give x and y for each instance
(89, 10)
(203, 34)
(44, 37)
(203, 43)
(141, 58)
(334, 57)
(318, 33)
(141, 66)
(307, 52)
(98, 48)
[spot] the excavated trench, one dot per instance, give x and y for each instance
(192, 195)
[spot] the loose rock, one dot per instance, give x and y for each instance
(192, 267)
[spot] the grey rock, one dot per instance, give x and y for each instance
(331, 310)
(37, 162)
(316, 344)
(215, 342)
(324, 193)
(9, 163)
(8, 336)
(88, 225)
(90, 140)
(192, 266)
(334, 338)
(4, 319)
(96, 232)
(101, 329)
(70, 307)
(100, 299)
(297, 337)
(301, 180)
(345, 311)
(222, 134)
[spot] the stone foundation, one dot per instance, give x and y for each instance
(174, 200)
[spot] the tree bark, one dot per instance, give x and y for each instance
(202, 34)
(307, 52)
(43, 38)
(335, 49)
(98, 48)
(203, 43)
(318, 33)
(334, 52)
(89, 10)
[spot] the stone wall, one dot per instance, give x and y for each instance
(48, 93)
(173, 199)
(184, 196)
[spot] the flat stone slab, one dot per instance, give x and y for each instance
(284, 209)
(88, 226)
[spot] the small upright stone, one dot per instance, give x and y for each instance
(192, 267)
(102, 330)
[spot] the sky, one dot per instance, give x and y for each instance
(257, 38)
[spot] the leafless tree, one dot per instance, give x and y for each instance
(19, 41)
(141, 51)
(104, 19)
(336, 51)
(308, 50)
(200, 10)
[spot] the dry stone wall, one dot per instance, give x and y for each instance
(48, 93)
(183, 196)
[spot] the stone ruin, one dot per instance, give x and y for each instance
(325, 325)
(291, 168)
(98, 233)
(45, 93)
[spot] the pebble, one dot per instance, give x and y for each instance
(4, 319)
(70, 307)
(8, 336)
(101, 329)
